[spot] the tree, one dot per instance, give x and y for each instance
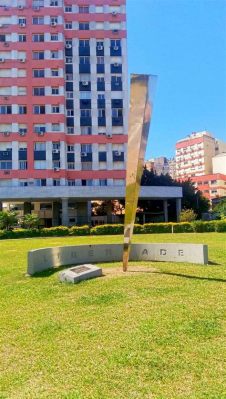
(8, 219)
(221, 209)
(30, 221)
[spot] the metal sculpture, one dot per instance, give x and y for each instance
(141, 105)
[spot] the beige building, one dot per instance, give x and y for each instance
(194, 154)
(219, 163)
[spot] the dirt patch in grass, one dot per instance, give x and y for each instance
(117, 271)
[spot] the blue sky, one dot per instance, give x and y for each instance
(184, 43)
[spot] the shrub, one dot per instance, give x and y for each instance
(138, 229)
(220, 226)
(150, 228)
(203, 227)
(184, 227)
(79, 231)
(57, 231)
(107, 229)
(187, 215)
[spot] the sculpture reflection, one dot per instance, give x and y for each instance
(141, 105)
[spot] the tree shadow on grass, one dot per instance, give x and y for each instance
(220, 280)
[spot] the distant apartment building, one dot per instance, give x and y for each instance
(212, 185)
(202, 158)
(162, 165)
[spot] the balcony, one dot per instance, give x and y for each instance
(116, 86)
(116, 68)
(85, 86)
(85, 104)
(102, 156)
(115, 51)
(101, 103)
(100, 86)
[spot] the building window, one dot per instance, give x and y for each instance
(70, 165)
(68, 9)
(85, 113)
(103, 182)
(70, 148)
(22, 21)
(54, 72)
(56, 182)
(68, 25)
(55, 127)
(40, 165)
(39, 128)
(53, 3)
(38, 37)
(53, 20)
(69, 95)
(23, 165)
(22, 38)
(54, 37)
(100, 60)
(38, 20)
(54, 54)
(4, 165)
(38, 73)
(70, 130)
(86, 130)
(39, 146)
(38, 55)
(55, 91)
(55, 109)
(39, 109)
(83, 26)
(40, 182)
(38, 91)
(22, 109)
(5, 109)
(101, 113)
(84, 60)
(83, 10)
(68, 60)
(117, 112)
(83, 43)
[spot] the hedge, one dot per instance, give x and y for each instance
(112, 229)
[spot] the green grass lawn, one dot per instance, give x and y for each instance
(146, 335)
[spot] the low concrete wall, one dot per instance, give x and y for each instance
(47, 258)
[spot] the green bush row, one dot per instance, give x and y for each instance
(111, 229)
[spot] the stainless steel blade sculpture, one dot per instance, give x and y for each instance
(141, 105)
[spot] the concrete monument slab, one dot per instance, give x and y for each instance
(79, 273)
(48, 258)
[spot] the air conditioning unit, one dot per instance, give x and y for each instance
(53, 23)
(56, 151)
(22, 25)
(22, 133)
(100, 47)
(6, 8)
(20, 7)
(2, 60)
(6, 98)
(115, 31)
(56, 169)
(83, 154)
(6, 44)
(116, 64)
(6, 172)
(22, 60)
(114, 13)
(118, 153)
(115, 48)
(85, 83)
(109, 135)
(6, 134)
(40, 133)
(68, 46)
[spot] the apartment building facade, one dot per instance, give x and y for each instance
(201, 157)
(63, 105)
